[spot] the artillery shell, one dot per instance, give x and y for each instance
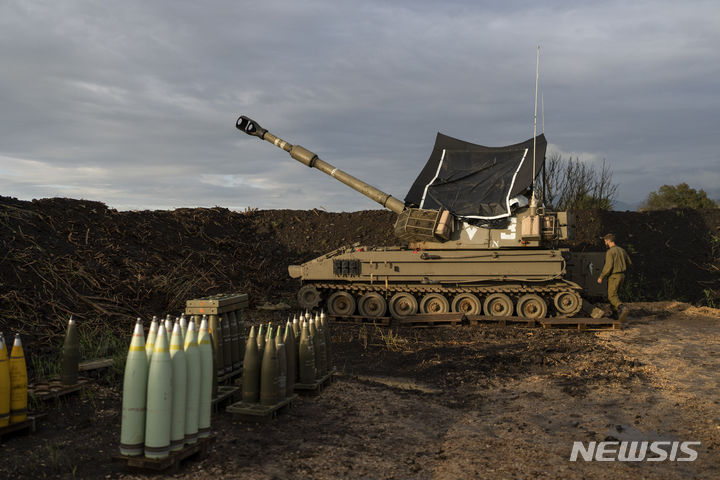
(291, 354)
(306, 356)
(4, 384)
(18, 382)
(206, 380)
(70, 355)
(152, 334)
(179, 389)
(260, 339)
(159, 399)
(192, 402)
(251, 370)
(132, 427)
(282, 364)
(270, 375)
(319, 338)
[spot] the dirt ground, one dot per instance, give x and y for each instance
(458, 402)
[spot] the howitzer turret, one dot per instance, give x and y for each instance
(469, 241)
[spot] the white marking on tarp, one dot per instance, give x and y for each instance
(437, 173)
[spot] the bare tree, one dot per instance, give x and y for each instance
(572, 184)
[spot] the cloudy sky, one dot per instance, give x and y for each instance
(134, 103)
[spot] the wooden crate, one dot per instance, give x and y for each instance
(217, 304)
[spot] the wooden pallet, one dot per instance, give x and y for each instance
(582, 323)
(317, 386)
(22, 428)
(171, 462)
(54, 389)
(361, 319)
(427, 320)
(224, 394)
(475, 320)
(256, 412)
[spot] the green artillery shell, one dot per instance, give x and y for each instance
(306, 356)
(192, 403)
(270, 376)
(159, 399)
(217, 342)
(296, 328)
(318, 344)
(179, 389)
(4, 384)
(291, 354)
(322, 346)
(328, 346)
(132, 428)
(152, 334)
(227, 344)
(282, 364)
(70, 355)
(260, 339)
(206, 380)
(251, 370)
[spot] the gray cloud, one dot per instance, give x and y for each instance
(134, 103)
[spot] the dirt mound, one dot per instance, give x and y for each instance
(63, 256)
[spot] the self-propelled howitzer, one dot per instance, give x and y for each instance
(492, 256)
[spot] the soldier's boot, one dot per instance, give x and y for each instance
(623, 312)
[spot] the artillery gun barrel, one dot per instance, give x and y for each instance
(310, 159)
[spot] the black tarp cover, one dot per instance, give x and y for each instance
(473, 181)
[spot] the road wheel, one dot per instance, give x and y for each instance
(531, 306)
(434, 303)
(466, 303)
(498, 305)
(341, 304)
(567, 303)
(372, 304)
(402, 305)
(308, 297)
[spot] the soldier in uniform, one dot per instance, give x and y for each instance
(617, 261)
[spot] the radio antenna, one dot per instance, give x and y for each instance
(542, 110)
(533, 199)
